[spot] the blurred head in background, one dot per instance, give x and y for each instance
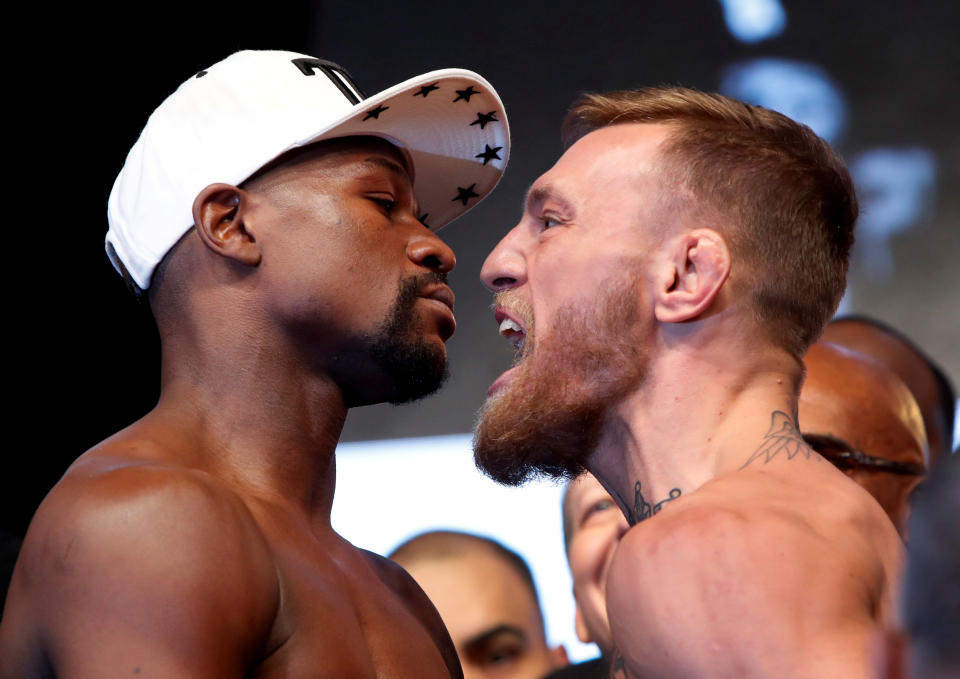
(861, 417)
(592, 528)
(924, 644)
(486, 596)
(926, 380)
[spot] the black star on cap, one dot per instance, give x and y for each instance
(466, 94)
(375, 112)
(465, 194)
(484, 118)
(489, 154)
(423, 218)
(426, 90)
(200, 74)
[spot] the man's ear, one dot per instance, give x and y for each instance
(583, 634)
(559, 657)
(697, 264)
(219, 213)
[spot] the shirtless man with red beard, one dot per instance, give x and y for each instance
(665, 280)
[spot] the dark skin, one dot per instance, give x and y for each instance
(906, 363)
(197, 541)
(849, 402)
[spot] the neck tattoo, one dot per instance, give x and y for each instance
(643, 509)
(781, 440)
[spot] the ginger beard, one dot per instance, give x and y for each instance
(548, 420)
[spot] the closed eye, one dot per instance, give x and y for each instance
(597, 508)
(388, 204)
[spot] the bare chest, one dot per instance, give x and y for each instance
(339, 617)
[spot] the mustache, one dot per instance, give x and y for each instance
(412, 286)
(511, 302)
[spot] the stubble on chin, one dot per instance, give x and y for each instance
(548, 420)
(416, 368)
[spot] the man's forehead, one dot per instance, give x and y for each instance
(360, 154)
(640, 141)
(626, 152)
(868, 397)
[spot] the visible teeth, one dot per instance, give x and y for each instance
(507, 325)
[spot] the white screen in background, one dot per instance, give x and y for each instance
(388, 491)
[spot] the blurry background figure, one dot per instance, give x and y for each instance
(926, 380)
(592, 528)
(927, 645)
(860, 415)
(800, 90)
(895, 187)
(488, 601)
(751, 21)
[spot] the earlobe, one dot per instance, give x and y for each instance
(559, 657)
(583, 634)
(219, 215)
(696, 266)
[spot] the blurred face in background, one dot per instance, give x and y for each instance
(491, 613)
(593, 525)
(861, 417)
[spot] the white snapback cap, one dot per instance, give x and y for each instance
(228, 121)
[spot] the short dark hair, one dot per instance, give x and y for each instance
(440, 544)
(787, 195)
(931, 587)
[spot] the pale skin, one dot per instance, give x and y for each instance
(740, 561)
(197, 542)
(596, 526)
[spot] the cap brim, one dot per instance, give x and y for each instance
(452, 124)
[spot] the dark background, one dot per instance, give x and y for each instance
(84, 356)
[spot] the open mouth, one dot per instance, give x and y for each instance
(512, 328)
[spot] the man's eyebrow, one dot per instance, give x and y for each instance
(397, 169)
(387, 164)
(540, 194)
(487, 635)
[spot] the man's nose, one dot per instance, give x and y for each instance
(505, 266)
(427, 250)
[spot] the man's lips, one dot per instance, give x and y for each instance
(441, 297)
(441, 293)
(513, 328)
(502, 381)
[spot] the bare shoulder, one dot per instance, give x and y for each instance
(166, 560)
(403, 584)
(752, 568)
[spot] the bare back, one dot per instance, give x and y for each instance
(779, 569)
(138, 563)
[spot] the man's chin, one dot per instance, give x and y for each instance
(523, 432)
